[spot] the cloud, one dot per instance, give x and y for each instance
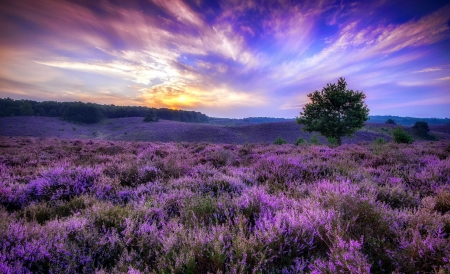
(432, 69)
(183, 95)
(444, 78)
(239, 53)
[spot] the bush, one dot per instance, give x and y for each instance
(400, 136)
(313, 140)
(280, 141)
(332, 141)
(421, 129)
(390, 122)
(299, 141)
(149, 118)
(380, 141)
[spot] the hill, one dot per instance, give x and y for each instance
(134, 129)
(408, 121)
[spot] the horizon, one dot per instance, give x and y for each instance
(228, 60)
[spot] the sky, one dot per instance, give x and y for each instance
(231, 58)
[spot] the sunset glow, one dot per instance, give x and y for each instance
(227, 58)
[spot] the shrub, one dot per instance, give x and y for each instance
(390, 122)
(280, 141)
(332, 141)
(313, 140)
(299, 141)
(400, 136)
(150, 118)
(380, 141)
(421, 129)
(443, 202)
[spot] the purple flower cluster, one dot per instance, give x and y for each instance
(69, 206)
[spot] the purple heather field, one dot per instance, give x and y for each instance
(134, 129)
(85, 206)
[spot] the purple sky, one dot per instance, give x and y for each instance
(228, 58)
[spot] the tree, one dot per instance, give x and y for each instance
(390, 122)
(401, 137)
(150, 118)
(335, 111)
(421, 129)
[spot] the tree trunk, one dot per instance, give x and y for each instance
(339, 141)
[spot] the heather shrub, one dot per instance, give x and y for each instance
(397, 197)
(207, 211)
(129, 175)
(106, 217)
(279, 141)
(221, 157)
(219, 184)
(400, 136)
(63, 183)
(73, 206)
(163, 207)
(424, 247)
(344, 257)
(40, 213)
(442, 203)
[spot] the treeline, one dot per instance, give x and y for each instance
(89, 113)
(408, 121)
(265, 119)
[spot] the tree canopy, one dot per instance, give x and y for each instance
(390, 122)
(335, 111)
(92, 113)
(421, 129)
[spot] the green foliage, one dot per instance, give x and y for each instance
(421, 129)
(380, 141)
(82, 113)
(150, 118)
(299, 141)
(314, 140)
(332, 141)
(87, 113)
(26, 110)
(111, 217)
(390, 122)
(335, 111)
(400, 136)
(280, 141)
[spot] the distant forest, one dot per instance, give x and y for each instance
(89, 113)
(408, 121)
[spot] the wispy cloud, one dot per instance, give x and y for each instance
(217, 55)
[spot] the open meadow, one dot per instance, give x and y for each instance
(70, 206)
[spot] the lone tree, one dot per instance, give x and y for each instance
(335, 111)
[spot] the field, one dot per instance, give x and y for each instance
(134, 129)
(79, 205)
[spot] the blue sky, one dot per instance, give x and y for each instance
(228, 58)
